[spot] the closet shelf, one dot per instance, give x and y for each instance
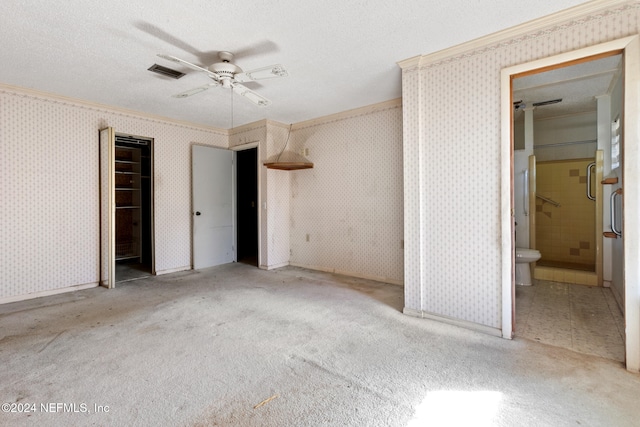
(127, 173)
(128, 162)
(127, 189)
(127, 207)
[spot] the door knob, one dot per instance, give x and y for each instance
(198, 213)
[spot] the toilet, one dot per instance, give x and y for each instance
(524, 257)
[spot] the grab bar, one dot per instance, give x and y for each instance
(525, 200)
(553, 202)
(612, 202)
(589, 167)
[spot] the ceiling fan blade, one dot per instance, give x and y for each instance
(260, 48)
(259, 100)
(263, 73)
(195, 90)
(188, 64)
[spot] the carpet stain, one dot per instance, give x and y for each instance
(50, 341)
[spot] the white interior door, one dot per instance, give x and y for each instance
(212, 187)
(107, 208)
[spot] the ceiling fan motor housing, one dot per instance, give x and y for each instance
(225, 71)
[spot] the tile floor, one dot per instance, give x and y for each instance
(585, 319)
(126, 271)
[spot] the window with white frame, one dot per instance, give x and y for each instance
(615, 143)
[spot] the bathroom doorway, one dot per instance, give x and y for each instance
(559, 286)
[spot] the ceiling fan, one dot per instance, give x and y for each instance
(228, 75)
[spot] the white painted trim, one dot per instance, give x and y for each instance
(246, 146)
(631, 47)
(20, 91)
(48, 293)
(507, 213)
(173, 270)
(631, 201)
(527, 28)
(350, 273)
(408, 63)
(248, 127)
(349, 114)
(451, 321)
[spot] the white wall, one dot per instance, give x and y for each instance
(571, 128)
(452, 162)
(49, 235)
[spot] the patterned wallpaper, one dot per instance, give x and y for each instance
(49, 235)
(452, 166)
(350, 204)
(278, 194)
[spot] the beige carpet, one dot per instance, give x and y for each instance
(237, 346)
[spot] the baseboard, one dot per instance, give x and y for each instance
(172, 270)
(456, 322)
(48, 293)
(350, 273)
(563, 275)
(274, 266)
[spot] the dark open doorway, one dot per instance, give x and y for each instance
(247, 206)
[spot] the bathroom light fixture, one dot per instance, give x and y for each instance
(288, 160)
(549, 102)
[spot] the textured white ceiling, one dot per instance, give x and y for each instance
(340, 54)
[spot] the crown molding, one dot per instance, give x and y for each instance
(408, 63)
(277, 124)
(248, 127)
(356, 112)
(94, 106)
(558, 18)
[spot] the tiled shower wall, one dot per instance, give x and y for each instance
(565, 233)
(346, 212)
(452, 184)
(49, 235)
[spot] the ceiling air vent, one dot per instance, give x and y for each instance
(165, 71)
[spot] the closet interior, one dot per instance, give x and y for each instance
(134, 207)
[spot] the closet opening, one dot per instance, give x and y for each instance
(133, 207)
